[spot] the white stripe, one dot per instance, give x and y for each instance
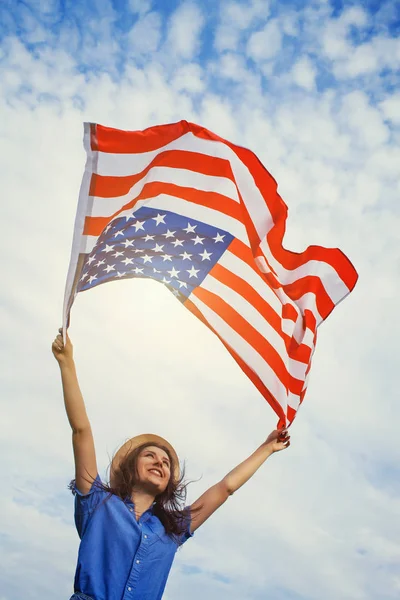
(121, 165)
(308, 300)
(330, 279)
(256, 320)
(88, 242)
(79, 225)
(250, 356)
(235, 264)
(197, 212)
(192, 211)
(104, 207)
(293, 401)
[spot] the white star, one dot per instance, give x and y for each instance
(128, 261)
(169, 234)
(138, 225)
(173, 273)
(108, 249)
(137, 271)
(155, 270)
(177, 243)
(121, 232)
(130, 216)
(92, 278)
(159, 219)
(219, 238)
(147, 258)
(197, 240)
(193, 272)
(187, 256)
(118, 254)
(182, 284)
(165, 280)
(107, 228)
(90, 260)
(190, 228)
(84, 276)
(127, 243)
(101, 262)
(120, 274)
(205, 255)
(158, 248)
(175, 293)
(148, 237)
(109, 268)
(139, 250)
(166, 257)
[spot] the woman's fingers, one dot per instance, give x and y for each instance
(58, 343)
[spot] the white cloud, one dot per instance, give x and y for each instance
(189, 78)
(184, 30)
(265, 44)
(304, 73)
(334, 37)
(140, 6)
(145, 35)
(235, 19)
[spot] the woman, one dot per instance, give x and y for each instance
(131, 529)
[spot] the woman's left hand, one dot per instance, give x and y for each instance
(278, 440)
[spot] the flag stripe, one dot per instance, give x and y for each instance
(245, 368)
(248, 333)
(107, 186)
(226, 206)
(242, 347)
(163, 177)
(216, 282)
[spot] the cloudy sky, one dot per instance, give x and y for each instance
(313, 88)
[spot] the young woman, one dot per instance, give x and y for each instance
(131, 528)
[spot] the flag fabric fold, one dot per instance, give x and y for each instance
(178, 204)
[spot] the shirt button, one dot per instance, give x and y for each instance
(129, 589)
(145, 537)
(131, 509)
(137, 562)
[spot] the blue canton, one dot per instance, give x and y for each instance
(158, 244)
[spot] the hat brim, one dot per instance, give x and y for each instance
(139, 440)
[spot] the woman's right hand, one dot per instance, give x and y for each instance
(62, 353)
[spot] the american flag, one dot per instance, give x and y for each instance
(178, 204)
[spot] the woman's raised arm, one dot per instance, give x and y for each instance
(82, 437)
(216, 495)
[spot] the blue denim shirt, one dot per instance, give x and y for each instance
(121, 558)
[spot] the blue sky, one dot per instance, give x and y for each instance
(313, 89)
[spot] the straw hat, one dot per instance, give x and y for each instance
(139, 440)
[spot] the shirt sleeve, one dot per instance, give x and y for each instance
(86, 504)
(187, 519)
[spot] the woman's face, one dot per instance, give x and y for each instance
(154, 469)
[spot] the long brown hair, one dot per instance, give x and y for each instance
(168, 506)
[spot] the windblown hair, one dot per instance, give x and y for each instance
(168, 506)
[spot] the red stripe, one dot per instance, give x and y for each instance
(301, 352)
(116, 141)
(251, 336)
(315, 286)
(244, 289)
(106, 186)
(245, 368)
(95, 225)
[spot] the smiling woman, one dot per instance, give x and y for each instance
(131, 528)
